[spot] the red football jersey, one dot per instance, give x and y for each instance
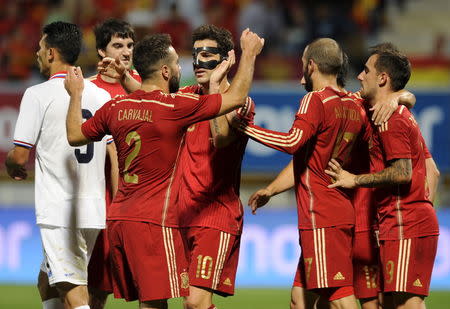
(114, 89)
(359, 163)
(148, 129)
(404, 211)
(209, 192)
(326, 126)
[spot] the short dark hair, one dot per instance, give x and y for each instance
(112, 27)
(394, 63)
(222, 36)
(341, 77)
(327, 54)
(149, 51)
(66, 38)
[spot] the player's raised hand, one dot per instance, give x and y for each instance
(341, 177)
(111, 67)
(74, 82)
(251, 43)
(259, 199)
(221, 71)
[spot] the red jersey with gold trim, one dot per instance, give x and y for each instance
(365, 209)
(404, 211)
(326, 126)
(209, 193)
(114, 89)
(149, 129)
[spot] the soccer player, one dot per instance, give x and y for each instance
(210, 209)
(115, 39)
(70, 182)
(148, 127)
(365, 257)
(326, 125)
(408, 228)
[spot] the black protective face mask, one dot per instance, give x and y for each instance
(208, 65)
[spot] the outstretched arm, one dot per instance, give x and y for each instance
(382, 111)
(283, 182)
(236, 94)
(74, 85)
(397, 173)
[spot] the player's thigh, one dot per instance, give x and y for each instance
(67, 253)
(366, 270)
(213, 257)
(154, 255)
(327, 257)
(407, 264)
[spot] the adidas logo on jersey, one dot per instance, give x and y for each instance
(227, 282)
(417, 283)
(338, 276)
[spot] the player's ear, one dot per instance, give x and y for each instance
(51, 54)
(311, 66)
(383, 78)
(165, 71)
(101, 52)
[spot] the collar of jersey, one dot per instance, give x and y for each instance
(61, 74)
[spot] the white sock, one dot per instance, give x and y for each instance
(52, 303)
(83, 307)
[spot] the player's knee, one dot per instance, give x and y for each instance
(193, 303)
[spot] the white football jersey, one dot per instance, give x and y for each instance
(70, 181)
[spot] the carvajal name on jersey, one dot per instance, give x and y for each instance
(135, 114)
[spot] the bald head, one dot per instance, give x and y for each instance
(327, 54)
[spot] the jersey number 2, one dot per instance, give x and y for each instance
(89, 154)
(132, 136)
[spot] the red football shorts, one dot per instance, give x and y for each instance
(99, 268)
(407, 264)
(148, 261)
(326, 259)
(366, 270)
(213, 258)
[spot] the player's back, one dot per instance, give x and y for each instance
(404, 210)
(148, 129)
(339, 125)
(69, 186)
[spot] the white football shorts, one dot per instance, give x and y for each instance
(67, 253)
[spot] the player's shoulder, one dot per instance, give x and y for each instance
(191, 89)
(93, 89)
(136, 75)
(325, 95)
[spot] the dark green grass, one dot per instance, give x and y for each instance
(21, 297)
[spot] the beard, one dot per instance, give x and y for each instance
(174, 84)
(308, 81)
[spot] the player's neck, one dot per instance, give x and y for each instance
(108, 79)
(224, 85)
(149, 85)
(323, 81)
(382, 95)
(58, 67)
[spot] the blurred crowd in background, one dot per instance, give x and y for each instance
(287, 26)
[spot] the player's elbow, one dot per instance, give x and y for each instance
(75, 140)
